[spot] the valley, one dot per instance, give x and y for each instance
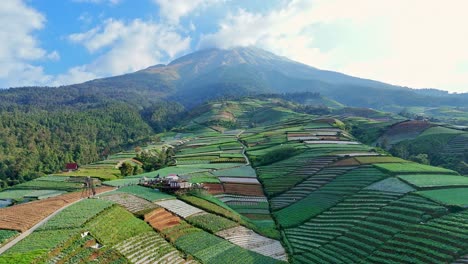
(272, 182)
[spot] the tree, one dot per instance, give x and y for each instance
(126, 169)
(420, 158)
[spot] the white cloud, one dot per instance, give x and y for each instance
(19, 48)
(173, 10)
(416, 43)
(125, 47)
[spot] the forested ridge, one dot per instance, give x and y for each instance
(42, 129)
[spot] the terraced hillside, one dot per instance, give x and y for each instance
(291, 188)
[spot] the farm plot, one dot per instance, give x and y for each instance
(435, 180)
(24, 216)
(76, 215)
(43, 194)
(452, 196)
(243, 189)
(338, 219)
(309, 185)
(182, 229)
(243, 171)
(250, 240)
(149, 247)
(368, 234)
(327, 196)
(211, 222)
(123, 182)
(412, 168)
(131, 202)
(115, 225)
(379, 159)
(310, 166)
(45, 184)
(391, 184)
(145, 193)
(80, 249)
(179, 208)
(36, 245)
(6, 235)
(425, 243)
(161, 219)
(209, 248)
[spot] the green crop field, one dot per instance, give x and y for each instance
(211, 223)
(76, 215)
(209, 248)
(452, 196)
(379, 159)
(435, 180)
(6, 235)
(116, 224)
(412, 168)
(143, 192)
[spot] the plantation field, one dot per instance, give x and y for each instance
(115, 225)
(435, 180)
(76, 215)
(6, 235)
(145, 193)
(379, 159)
(209, 248)
(36, 245)
(452, 196)
(411, 168)
(48, 183)
(23, 216)
(103, 173)
(210, 222)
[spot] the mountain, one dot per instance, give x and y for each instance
(212, 73)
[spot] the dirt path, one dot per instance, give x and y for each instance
(243, 147)
(32, 229)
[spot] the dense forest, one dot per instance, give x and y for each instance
(42, 129)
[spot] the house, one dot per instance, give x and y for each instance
(71, 167)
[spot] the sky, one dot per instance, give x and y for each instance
(414, 43)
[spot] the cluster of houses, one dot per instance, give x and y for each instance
(170, 183)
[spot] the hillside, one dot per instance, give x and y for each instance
(278, 185)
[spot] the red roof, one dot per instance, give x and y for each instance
(71, 166)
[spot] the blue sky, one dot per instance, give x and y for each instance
(410, 43)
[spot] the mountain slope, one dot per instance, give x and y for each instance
(212, 73)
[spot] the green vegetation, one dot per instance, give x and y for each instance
(209, 248)
(115, 225)
(452, 196)
(144, 192)
(435, 180)
(36, 245)
(76, 215)
(6, 235)
(211, 223)
(410, 168)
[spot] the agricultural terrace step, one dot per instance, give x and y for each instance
(24, 216)
(180, 208)
(250, 240)
(131, 202)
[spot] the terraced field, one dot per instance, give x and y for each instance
(132, 203)
(23, 216)
(250, 240)
(180, 208)
(161, 219)
(149, 248)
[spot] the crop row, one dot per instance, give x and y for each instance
(209, 248)
(76, 215)
(211, 223)
(116, 224)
